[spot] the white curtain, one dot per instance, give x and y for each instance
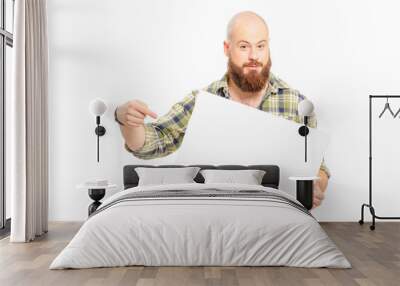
(27, 123)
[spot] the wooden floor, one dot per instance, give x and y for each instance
(374, 255)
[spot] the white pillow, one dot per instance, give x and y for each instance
(249, 177)
(162, 176)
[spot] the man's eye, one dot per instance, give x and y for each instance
(242, 47)
(261, 46)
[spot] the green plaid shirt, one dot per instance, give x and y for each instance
(165, 135)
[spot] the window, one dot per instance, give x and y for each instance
(6, 44)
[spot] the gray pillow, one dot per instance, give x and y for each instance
(249, 177)
(162, 176)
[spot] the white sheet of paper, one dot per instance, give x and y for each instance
(222, 131)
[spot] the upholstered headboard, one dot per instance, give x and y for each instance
(270, 179)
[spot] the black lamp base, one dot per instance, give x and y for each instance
(96, 195)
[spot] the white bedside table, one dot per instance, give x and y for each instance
(96, 193)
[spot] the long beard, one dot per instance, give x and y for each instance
(253, 81)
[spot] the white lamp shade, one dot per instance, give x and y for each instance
(97, 107)
(305, 108)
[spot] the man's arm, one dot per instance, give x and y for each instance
(323, 181)
(319, 189)
(131, 116)
(134, 136)
(324, 174)
(163, 136)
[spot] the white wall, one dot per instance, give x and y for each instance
(335, 52)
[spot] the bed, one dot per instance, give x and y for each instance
(201, 224)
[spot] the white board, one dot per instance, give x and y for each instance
(222, 131)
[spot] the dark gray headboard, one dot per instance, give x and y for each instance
(270, 179)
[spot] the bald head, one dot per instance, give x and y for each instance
(246, 22)
(247, 49)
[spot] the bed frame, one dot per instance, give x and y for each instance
(270, 179)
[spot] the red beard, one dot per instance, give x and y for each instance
(253, 81)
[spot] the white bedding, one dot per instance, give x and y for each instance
(181, 231)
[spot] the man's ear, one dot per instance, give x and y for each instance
(226, 48)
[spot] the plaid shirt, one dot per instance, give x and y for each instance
(165, 135)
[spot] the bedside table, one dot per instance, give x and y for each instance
(96, 193)
(304, 190)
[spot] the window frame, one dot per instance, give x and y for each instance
(6, 39)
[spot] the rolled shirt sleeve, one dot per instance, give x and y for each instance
(151, 147)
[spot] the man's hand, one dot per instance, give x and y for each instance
(319, 189)
(131, 115)
(133, 112)
(318, 195)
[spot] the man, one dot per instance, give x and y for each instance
(248, 81)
